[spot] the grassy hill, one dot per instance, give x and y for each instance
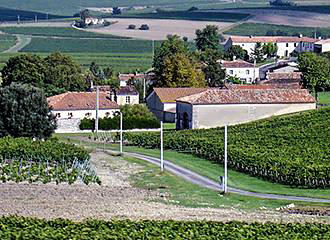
(291, 149)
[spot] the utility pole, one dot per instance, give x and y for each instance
(35, 18)
(161, 147)
(226, 173)
(254, 70)
(97, 110)
(144, 87)
(18, 19)
(121, 133)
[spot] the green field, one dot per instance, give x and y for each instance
(56, 32)
(324, 98)
(6, 41)
(260, 29)
(291, 149)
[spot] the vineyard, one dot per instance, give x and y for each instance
(23, 159)
(6, 41)
(31, 228)
(292, 149)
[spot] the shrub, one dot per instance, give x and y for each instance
(193, 8)
(144, 27)
(131, 26)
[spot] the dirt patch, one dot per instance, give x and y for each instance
(159, 29)
(116, 198)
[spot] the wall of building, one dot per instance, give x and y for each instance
(127, 99)
(248, 75)
(158, 108)
(80, 114)
(207, 116)
(181, 109)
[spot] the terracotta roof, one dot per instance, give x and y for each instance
(249, 96)
(236, 64)
(128, 76)
(323, 41)
(171, 94)
(250, 86)
(80, 101)
(283, 75)
(275, 39)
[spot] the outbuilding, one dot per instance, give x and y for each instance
(216, 107)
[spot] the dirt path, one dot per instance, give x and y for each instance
(116, 198)
(22, 41)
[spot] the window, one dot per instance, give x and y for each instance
(58, 115)
(70, 115)
(247, 72)
(243, 45)
(128, 99)
(231, 72)
(295, 44)
(88, 114)
(287, 45)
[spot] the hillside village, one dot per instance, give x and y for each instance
(215, 136)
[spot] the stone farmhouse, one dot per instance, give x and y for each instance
(216, 107)
(245, 71)
(161, 101)
(286, 45)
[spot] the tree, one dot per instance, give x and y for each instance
(63, 74)
(236, 51)
(84, 14)
(100, 76)
(316, 72)
(270, 49)
(25, 112)
(181, 71)
(173, 45)
(55, 74)
(25, 68)
(258, 53)
(116, 11)
(209, 37)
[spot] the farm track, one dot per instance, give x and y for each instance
(22, 41)
(208, 183)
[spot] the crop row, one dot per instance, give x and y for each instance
(23, 159)
(14, 227)
(292, 150)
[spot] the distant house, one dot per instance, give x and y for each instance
(291, 79)
(322, 46)
(217, 107)
(123, 95)
(124, 78)
(69, 108)
(286, 45)
(245, 71)
(161, 102)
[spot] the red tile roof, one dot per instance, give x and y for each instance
(80, 101)
(249, 96)
(250, 86)
(171, 94)
(283, 75)
(275, 39)
(237, 64)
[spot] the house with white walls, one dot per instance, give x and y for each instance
(285, 44)
(245, 71)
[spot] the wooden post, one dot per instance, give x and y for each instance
(226, 173)
(161, 147)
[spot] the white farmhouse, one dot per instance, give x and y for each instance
(124, 95)
(69, 108)
(286, 45)
(216, 107)
(322, 46)
(245, 71)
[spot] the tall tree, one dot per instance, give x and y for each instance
(182, 71)
(269, 49)
(258, 53)
(25, 112)
(173, 45)
(209, 37)
(316, 72)
(236, 51)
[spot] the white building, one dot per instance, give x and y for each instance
(286, 45)
(161, 102)
(245, 71)
(123, 95)
(322, 46)
(217, 107)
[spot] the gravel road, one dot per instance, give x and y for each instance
(116, 198)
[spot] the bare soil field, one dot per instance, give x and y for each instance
(116, 198)
(286, 17)
(159, 28)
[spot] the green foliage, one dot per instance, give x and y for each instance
(316, 71)
(57, 32)
(23, 159)
(270, 49)
(236, 51)
(208, 38)
(261, 29)
(55, 74)
(32, 228)
(6, 41)
(214, 74)
(25, 112)
(292, 150)
(258, 53)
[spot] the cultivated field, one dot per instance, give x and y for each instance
(159, 29)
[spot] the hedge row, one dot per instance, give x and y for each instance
(31, 228)
(114, 123)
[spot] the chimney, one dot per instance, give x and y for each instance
(250, 36)
(234, 58)
(320, 38)
(300, 35)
